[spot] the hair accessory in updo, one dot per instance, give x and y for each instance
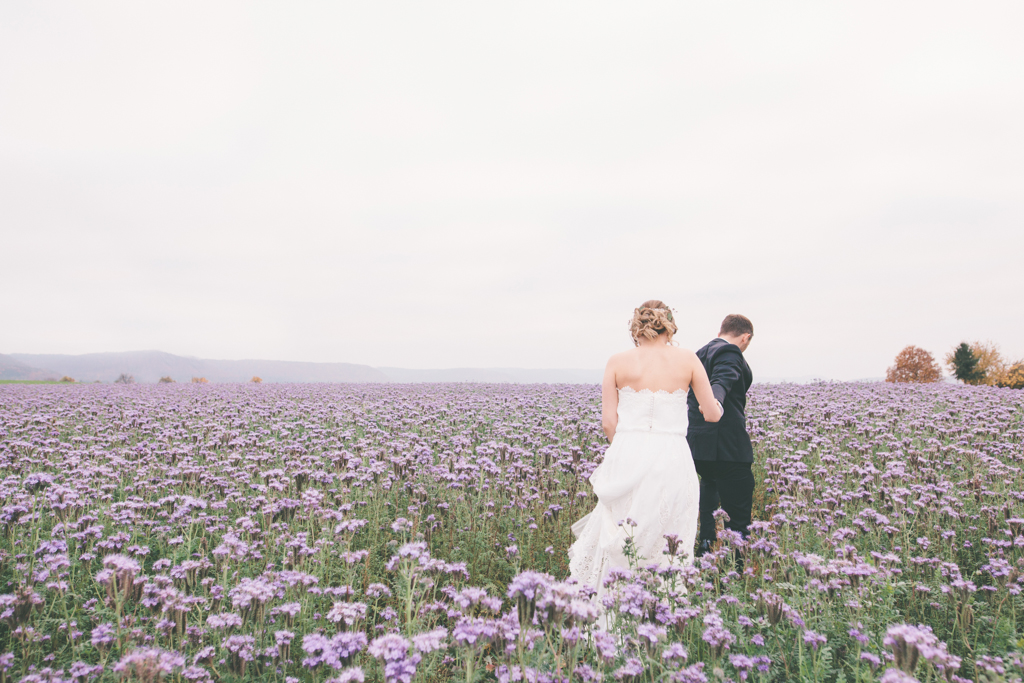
(651, 319)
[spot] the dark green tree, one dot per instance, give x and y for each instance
(964, 365)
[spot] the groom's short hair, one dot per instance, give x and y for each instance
(736, 325)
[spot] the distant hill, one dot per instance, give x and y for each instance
(149, 366)
(12, 368)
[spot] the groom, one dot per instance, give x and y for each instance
(721, 450)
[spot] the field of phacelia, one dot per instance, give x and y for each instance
(418, 533)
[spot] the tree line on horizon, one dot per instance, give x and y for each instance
(977, 363)
(128, 378)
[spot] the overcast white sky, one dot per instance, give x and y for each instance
(441, 184)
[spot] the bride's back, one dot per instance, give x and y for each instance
(657, 367)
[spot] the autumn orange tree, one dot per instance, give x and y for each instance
(914, 364)
(990, 362)
(1014, 377)
(987, 365)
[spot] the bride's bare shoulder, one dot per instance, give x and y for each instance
(685, 353)
(621, 357)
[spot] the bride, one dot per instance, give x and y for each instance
(647, 475)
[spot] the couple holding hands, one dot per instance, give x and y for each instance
(671, 416)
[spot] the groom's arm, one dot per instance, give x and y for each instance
(727, 371)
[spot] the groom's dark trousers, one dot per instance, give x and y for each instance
(722, 453)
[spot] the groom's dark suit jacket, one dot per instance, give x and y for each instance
(727, 439)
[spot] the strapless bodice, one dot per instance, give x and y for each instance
(652, 411)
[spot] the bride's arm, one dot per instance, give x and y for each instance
(610, 401)
(709, 405)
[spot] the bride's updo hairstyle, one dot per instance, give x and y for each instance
(651, 319)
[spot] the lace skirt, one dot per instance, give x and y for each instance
(646, 477)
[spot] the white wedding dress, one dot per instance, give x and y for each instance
(648, 476)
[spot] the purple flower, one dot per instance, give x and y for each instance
(401, 670)
(118, 575)
(393, 650)
(815, 640)
(410, 551)
(224, 620)
(474, 631)
(716, 635)
(871, 659)
(103, 635)
(583, 611)
(529, 585)
(911, 643)
(651, 633)
(675, 651)
(288, 611)
(897, 676)
(430, 640)
(240, 645)
(44, 675)
(81, 672)
(672, 542)
(390, 648)
(375, 590)
(348, 613)
(632, 667)
(743, 665)
(120, 564)
(691, 674)
(401, 525)
(335, 652)
(37, 481)
(352, 675)
(606, 646)
(149, 664)
(586, 674)
(197, 674)
(471, 596)
(250, 593)
(992, 665)
(858, 636)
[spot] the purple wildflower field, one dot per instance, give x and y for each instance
(419, 533)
